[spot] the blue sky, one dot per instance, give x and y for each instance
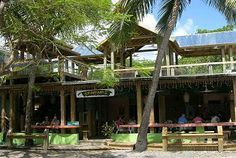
(198, 15)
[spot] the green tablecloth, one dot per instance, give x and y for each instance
(54, 138)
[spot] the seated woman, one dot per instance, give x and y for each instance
(197, 119)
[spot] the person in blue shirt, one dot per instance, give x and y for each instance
(182, 119)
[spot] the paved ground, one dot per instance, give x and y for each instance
(70, 152)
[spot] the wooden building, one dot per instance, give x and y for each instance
(211, 87)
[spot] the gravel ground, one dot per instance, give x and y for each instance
(71, 153)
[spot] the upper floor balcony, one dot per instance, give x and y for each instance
(63, 69)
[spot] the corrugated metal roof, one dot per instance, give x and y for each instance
(85, 51)
(198, 40)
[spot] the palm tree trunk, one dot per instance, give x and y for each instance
(141, 144)
(28, 110)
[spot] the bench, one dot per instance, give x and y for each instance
(44, 136)
(219, 135)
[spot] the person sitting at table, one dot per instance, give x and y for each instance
(197, 119)
(182, 119)
(119, 122)
(55, 121)
(45, 122)
(132, 122)
(215, 119)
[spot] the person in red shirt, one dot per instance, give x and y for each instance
(197, 119)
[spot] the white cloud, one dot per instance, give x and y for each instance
(187, 28)
(149, 22)
(114, 1)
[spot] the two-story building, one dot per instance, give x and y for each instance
(64, 87)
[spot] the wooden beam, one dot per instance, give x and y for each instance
(139, 102)
(12, 111)
(63, 108)
(223, 58)
(72, 107)
(220, 139)
(152, 119)
(105, 61)
(231, 57)
(233, 108)
(61, 69)
(3, 112)
(143, 37)
(112, 60)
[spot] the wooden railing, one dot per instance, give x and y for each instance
(213, 68)
(68, 66)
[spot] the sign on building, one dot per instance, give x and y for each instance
(95, 93)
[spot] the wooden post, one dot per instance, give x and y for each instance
(164, 138)
(220, 138)
(167, 61)
(162, 108)
(223, 59)
(66, 65)
(231, 57)
(139, 102)
(112, 60)
(73, 67)
(11, 123)
(152, 119)
(105, 61)
(72, 108)
(3, 112)
(233, 107)
(63, 108)
(61, 69)
(130, 60)
(172, 58)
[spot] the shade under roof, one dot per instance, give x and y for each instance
(207, 39)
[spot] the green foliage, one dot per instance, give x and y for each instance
(204, 59)
(199, 69)
(107, 77)
(224, 28)
(39, 23)
(139, 65)
(108, 129)
(36, 88)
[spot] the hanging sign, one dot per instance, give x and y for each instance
(95, 93)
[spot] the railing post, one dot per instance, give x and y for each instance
(210, 69)
(73, 67)
(220, 138)
(66, 65)
(61, 69)
(164, 138)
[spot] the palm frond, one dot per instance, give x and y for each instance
(226, 7)
(165, 12)
(131, 12)
(137, 8)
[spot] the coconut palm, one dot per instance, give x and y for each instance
(170, 11)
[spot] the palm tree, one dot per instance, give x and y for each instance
(170, 11)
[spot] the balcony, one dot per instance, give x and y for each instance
(201, 69)
(69, 69)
